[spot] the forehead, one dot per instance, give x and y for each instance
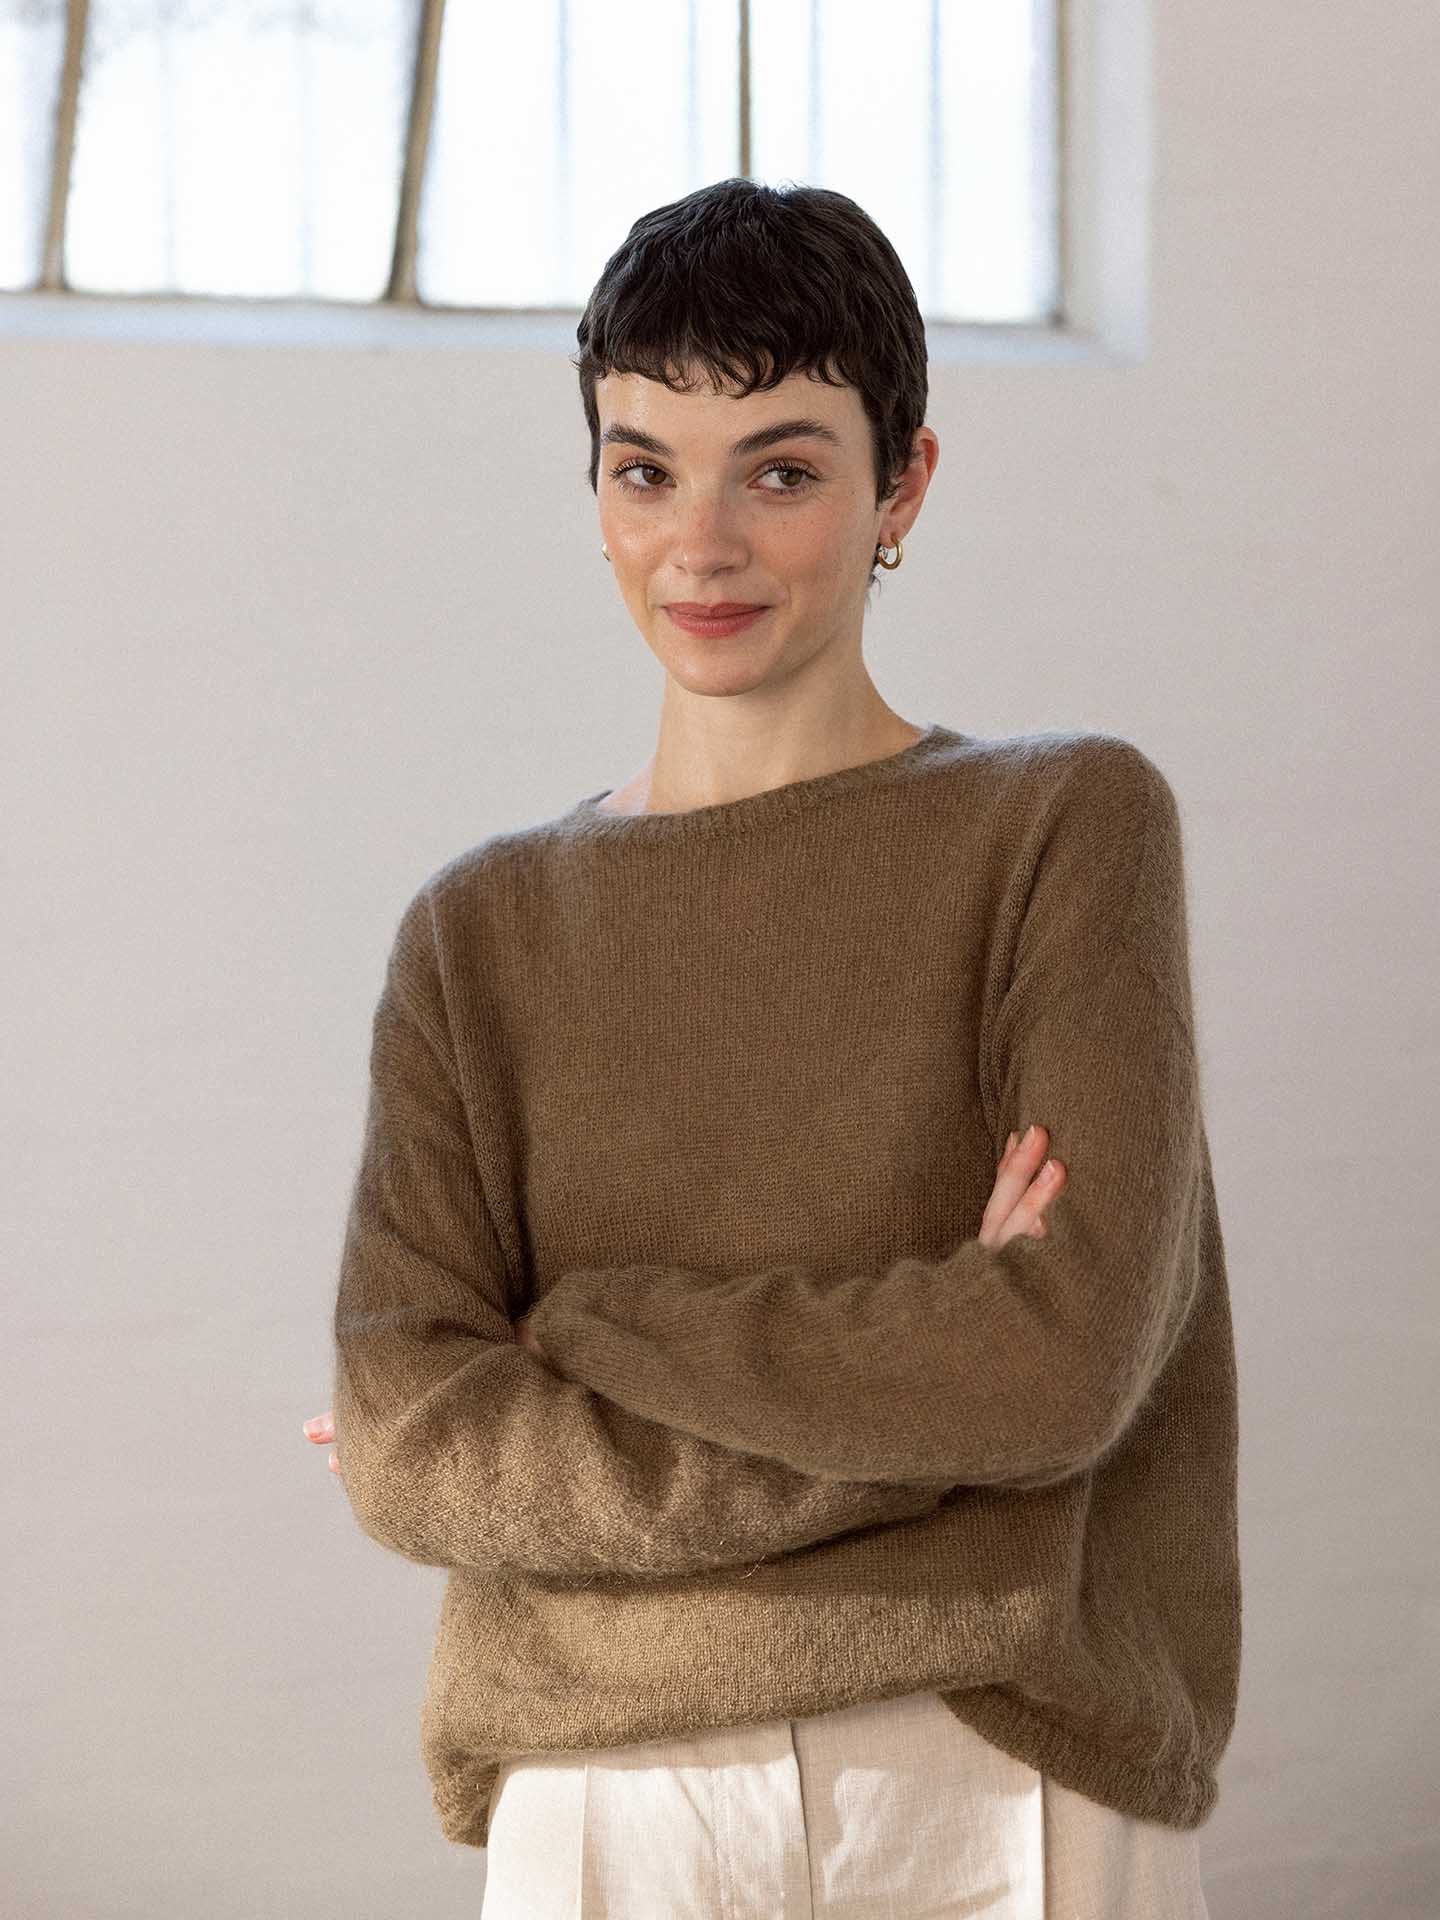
(717, 422)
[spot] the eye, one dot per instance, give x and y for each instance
(775, 466)
(787, 466)
(634, 466)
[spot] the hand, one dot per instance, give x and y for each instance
(322, 1429)
(1020, 1195)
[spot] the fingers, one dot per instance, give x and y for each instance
(1022, 1191)
(322, 1429)
(1017, 1168)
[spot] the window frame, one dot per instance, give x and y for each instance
(1105, 84)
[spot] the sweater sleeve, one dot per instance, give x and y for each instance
(1019, 1364)
(457, 1447)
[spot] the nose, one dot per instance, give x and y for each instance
(707, 537)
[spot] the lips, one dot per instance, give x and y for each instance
(715, 610)
(716, 626)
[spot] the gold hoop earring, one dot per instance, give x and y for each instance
(890, 565)
(602, 549)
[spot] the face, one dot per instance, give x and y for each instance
(791, 524)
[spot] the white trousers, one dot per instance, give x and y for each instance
(892, 1810)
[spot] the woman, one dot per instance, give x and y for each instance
(859, 1538)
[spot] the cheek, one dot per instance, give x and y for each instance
(814, 548)
(634, 530)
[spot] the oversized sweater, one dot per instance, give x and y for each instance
(720, 1094)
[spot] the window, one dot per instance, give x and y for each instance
(453, 158)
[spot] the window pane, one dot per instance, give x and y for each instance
(32, 46)
(240, 147)
(254, 147)
(943, 127)
(556, 126)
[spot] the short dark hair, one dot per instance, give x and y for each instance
(751, 283)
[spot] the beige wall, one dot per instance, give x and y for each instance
(287, 626)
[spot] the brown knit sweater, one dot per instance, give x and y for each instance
(721, 1094)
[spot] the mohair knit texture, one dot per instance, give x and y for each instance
(721, 1094)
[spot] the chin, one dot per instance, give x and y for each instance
(717, 678)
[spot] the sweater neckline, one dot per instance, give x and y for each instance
(757, 809)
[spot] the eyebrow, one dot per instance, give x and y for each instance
(752, 443)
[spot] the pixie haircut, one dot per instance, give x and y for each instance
(749, 284)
